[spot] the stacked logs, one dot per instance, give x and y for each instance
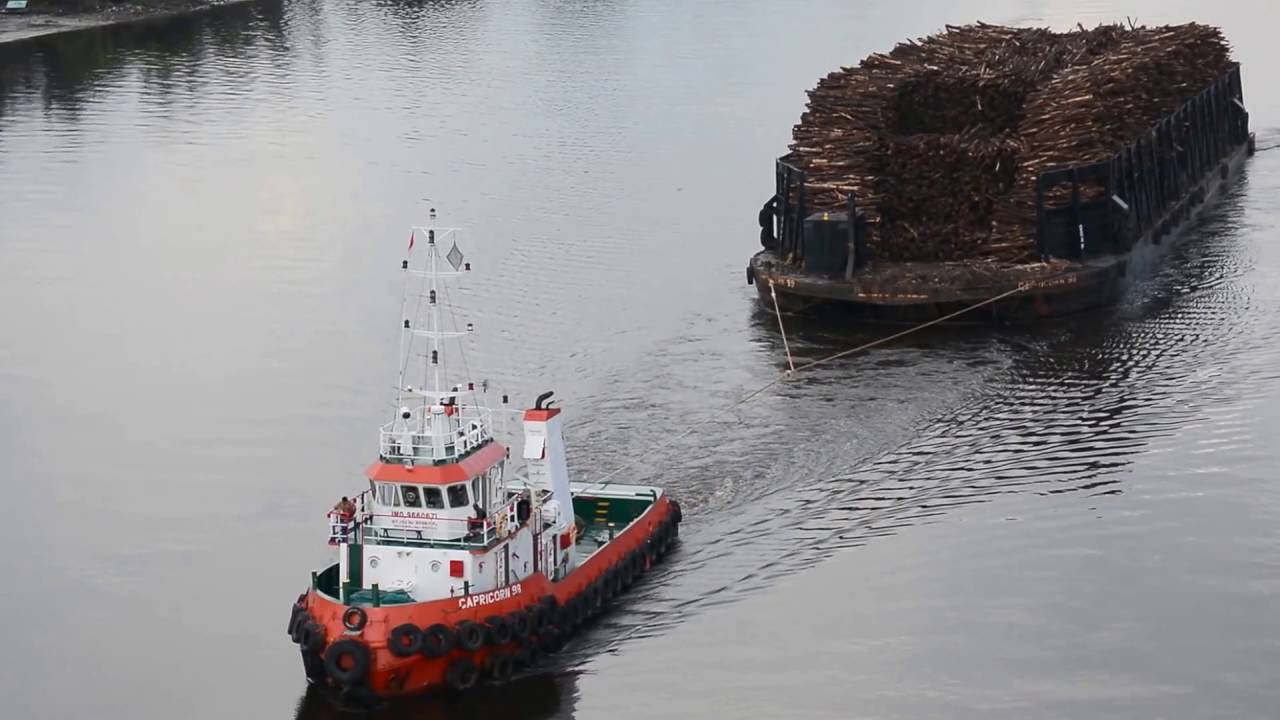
(1088, 114)
(940, 140)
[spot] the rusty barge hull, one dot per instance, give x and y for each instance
(921, 292)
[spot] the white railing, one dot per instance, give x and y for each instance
(472, 431)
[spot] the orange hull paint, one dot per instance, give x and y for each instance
(390, 675)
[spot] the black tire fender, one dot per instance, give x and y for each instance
(312, 637)
(470, 635)
(294, 611)
(438, 640)
(461, 673)
(299, 624)
(499, 666)
(521, 623)
(551, 641)
(405, 640)
(540, 618)
(497, 629)
(354, 619)
(354, 673)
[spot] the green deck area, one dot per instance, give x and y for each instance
(604, 516)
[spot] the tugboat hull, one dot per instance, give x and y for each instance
(368, 652)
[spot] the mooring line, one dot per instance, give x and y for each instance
(782, 330)
(1022, 287)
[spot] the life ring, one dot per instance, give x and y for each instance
(437, 640)
(521, 624)
(461, 674)
(498, 630)
(347, 661)
(470, 635)
(312, 637)
(499, 666)
(500, 523)
(354, 618)
(405, 640)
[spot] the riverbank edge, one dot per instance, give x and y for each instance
(16, 30)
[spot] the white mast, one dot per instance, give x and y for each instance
(440, 406)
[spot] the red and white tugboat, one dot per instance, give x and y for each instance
(458, 562)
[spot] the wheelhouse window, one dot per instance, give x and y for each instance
(412, 496)
(458, 495)
(388, 495)
(433, 497)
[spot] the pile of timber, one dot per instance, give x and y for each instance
(940, 140)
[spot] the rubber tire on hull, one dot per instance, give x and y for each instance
(551, 641)
(499, 667)
(438, 640)
(461, 674)
(405, 640)
(359, 669)
(300, 624)
(470, 635)
(541, 618)
(294, 611)
(497, 630)
(521, 624)
(312, 637)
(313, 666)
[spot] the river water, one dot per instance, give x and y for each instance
(200, 227)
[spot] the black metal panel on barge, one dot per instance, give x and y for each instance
(1097, 226)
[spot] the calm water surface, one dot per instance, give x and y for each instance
(200, 225)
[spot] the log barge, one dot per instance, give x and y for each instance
(897, 208)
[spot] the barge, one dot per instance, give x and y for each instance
(458, 564)
(1097, 226)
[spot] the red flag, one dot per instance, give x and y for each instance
(410, 239)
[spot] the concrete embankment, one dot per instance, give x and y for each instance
(51, 17)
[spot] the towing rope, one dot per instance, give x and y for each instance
(1022, 287)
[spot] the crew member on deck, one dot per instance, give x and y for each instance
(342, 513)
(475, 525)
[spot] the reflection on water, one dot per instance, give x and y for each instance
(201, 220)
(533, 696)
(62, 69)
